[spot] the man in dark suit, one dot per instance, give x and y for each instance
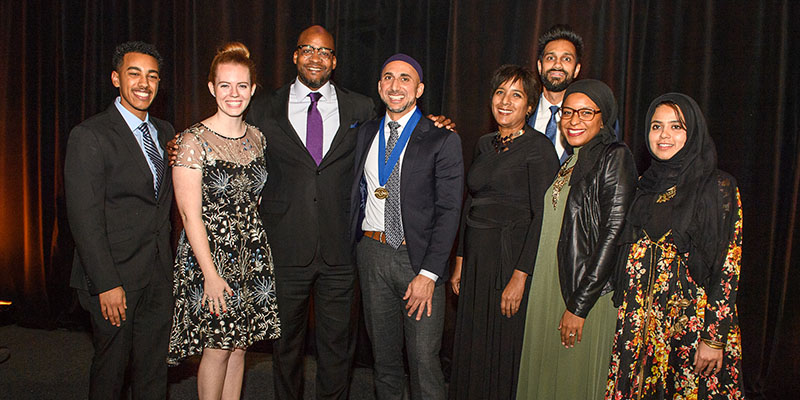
(310, 126)
(407, 195)
(119, 196)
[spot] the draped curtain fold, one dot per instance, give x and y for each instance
(738, 59)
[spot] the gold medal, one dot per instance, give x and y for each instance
(381, 193)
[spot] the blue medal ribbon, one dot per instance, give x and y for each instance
(385, 169)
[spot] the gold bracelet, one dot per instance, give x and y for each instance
(713, 344)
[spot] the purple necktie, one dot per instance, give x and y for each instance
(314, 129)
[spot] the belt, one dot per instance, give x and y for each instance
(379, 236)
(507, 260)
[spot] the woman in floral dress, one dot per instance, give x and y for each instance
(677, 330)
(224, 285)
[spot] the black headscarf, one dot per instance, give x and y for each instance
(603, 97)
(699, 213)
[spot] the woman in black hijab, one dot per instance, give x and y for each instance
(584, 212)
(678, 333)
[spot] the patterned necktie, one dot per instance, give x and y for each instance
(392, 220)
(314, 129)
(152, 153)
(552, 129)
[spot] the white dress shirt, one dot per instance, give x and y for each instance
(373, 209)
(327, 105)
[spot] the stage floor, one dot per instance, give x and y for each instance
(55, 365)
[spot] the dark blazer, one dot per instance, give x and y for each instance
(593, 218)
(121, 231)
(304, 203)
(431, 193)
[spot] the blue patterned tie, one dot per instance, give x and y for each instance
(152, 153)
(392, 219)
(551, 131)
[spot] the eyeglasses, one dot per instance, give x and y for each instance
(307, 50)
(584, 114)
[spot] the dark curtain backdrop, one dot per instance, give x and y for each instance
(738, 59)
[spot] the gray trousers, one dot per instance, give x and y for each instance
(385, 274)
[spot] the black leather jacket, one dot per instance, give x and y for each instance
(594, 216)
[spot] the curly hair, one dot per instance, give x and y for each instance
(135, 47)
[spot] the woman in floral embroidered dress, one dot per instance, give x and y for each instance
(224, 284)
(677, 330)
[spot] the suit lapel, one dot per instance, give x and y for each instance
(282, 113)
(125, 135)
(412, 149)
(371, 129)
(345, 116)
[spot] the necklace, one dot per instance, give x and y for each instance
(666, 196)
(561, 179)
(501, 143)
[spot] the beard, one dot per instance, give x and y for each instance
(552, 86)
(314, 83)
(400, 108)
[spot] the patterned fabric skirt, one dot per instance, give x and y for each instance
(658, 330)
(252, 309)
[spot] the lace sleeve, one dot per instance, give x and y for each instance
(191, 152)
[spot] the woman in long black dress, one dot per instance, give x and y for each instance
(510, 172)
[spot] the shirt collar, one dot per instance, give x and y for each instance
(133, 121)
(301, 91)
(402, 121)
(545, 104)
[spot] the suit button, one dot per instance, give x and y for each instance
(315, 199)
(319, 172)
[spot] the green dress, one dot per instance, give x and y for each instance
(548, 370)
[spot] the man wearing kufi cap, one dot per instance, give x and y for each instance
(406, 205)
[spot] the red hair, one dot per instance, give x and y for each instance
(233, 53)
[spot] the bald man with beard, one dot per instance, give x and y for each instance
(304, 209)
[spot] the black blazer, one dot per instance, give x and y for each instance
(305, 205)
(121, 231)
(431, 193)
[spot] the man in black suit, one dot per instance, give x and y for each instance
(407, 195)
(119, 196)
(304, 208)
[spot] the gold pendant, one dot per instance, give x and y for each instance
(563, 176)
(666, 196)
(381, 193)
